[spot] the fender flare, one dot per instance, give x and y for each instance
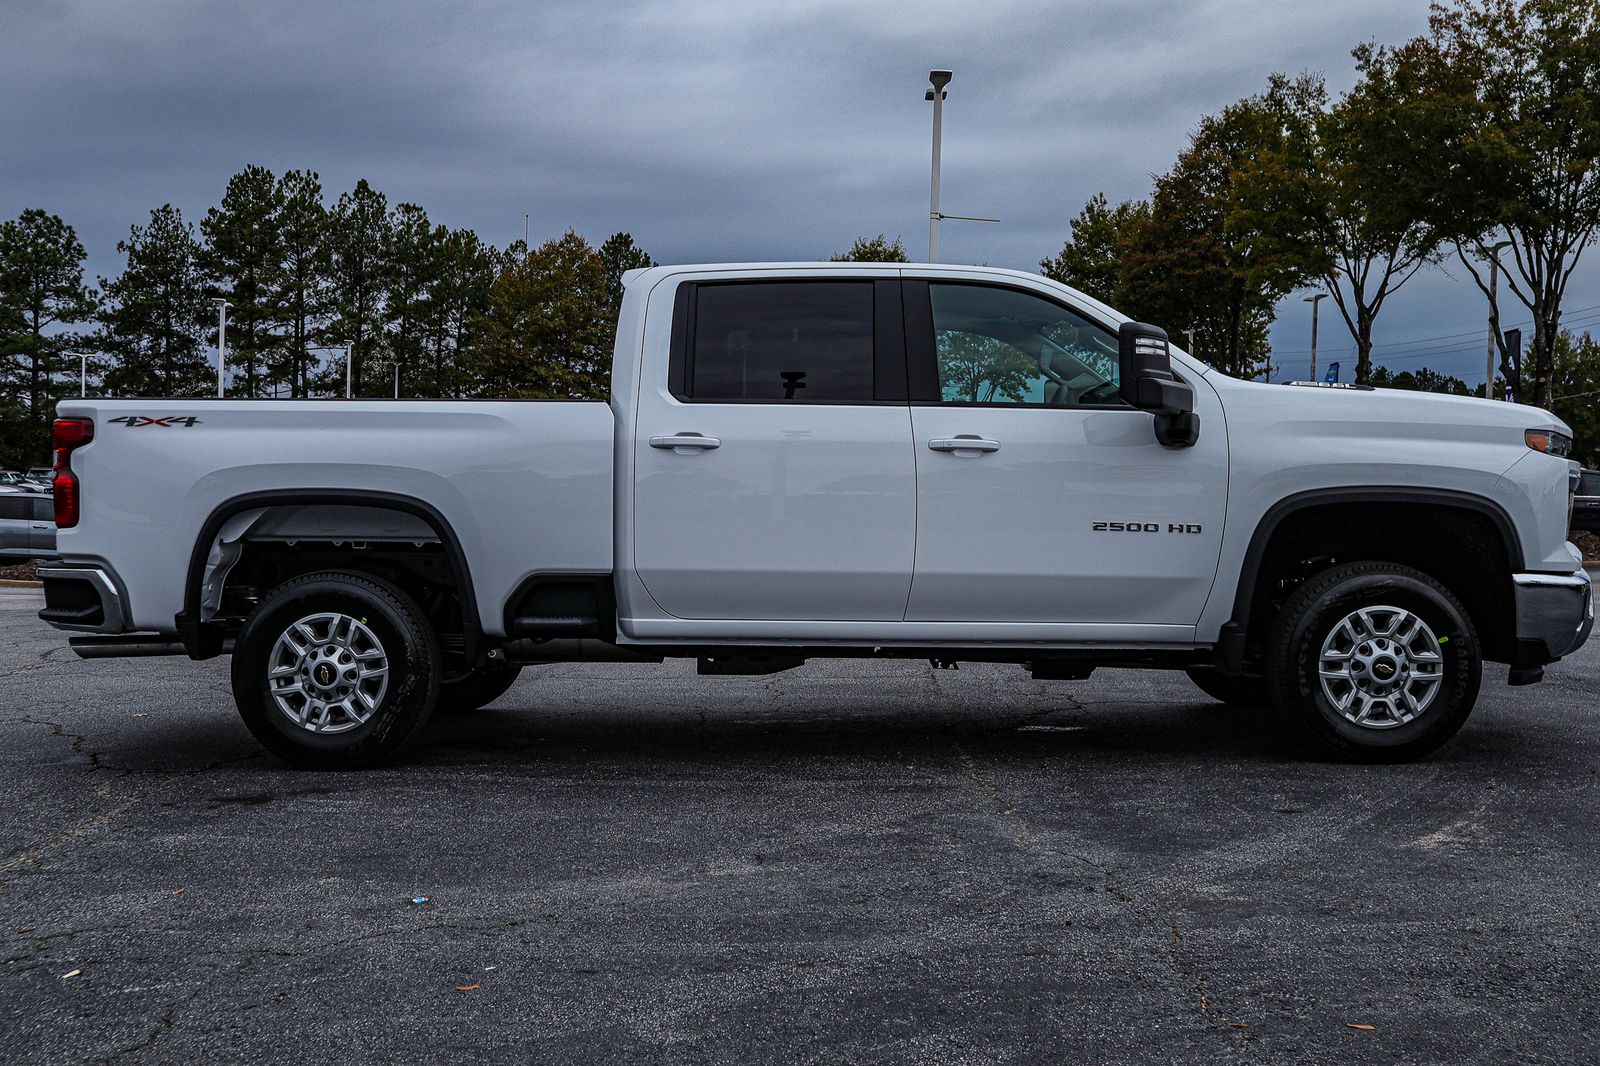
(204, 641)
(1232, 639)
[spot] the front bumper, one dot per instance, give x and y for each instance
(1555, 615)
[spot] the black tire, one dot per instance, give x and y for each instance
(1310, 617)
(399, 708)
(477, 689)
(1241, 690)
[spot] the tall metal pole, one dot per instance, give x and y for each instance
(347, 349)
(397, 381)
(222, 332)
(939, 79)
(1190, 334)
(83, 374)
(1494, 314)
(1315, 300)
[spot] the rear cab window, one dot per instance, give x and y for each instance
(832, 341)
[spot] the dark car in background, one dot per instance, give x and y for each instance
(1586, 505)
(27, 525)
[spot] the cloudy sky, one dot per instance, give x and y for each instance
(711, 131)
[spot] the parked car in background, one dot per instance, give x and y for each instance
(1586, 504)
(12, 478)
(27, 525)
(43, 476)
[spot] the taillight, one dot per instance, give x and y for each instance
(66, 435)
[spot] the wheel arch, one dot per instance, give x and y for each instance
(204, 641)
(1236, 633)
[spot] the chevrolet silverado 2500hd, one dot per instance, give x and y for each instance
(808, 460)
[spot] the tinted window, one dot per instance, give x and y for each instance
(800, 341)
(44, 509)
(13, 507)
(1004, 346)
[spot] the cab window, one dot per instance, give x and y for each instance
(1004, 346)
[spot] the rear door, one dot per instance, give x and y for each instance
(773, 469)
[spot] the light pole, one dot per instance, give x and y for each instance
(1190, 334)
(1494, 314)
(397, 379)
(1314, 300)
(222, 331)
(939, 79)
(347, 350)
(83, 372)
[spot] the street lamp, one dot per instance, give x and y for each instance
(1314, 300)
(938, 79)
(83, 371)
(222, 331)
(1494, 314)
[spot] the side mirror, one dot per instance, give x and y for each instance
(1149, 384)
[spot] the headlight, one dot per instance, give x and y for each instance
(1548, 441)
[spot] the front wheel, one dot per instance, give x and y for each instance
(1377, 662)
(336, 670)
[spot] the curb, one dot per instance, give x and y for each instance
(13, 583)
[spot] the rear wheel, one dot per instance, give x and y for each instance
(336, 670)
(1236, 691)
(476, 689)
(1377, 662)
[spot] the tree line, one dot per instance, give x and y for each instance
(1476, 142)
(422, 308)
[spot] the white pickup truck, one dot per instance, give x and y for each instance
(804, 460)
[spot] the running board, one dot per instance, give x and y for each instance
(129, 645)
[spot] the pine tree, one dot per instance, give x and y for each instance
(242, 253)
(358, 238)
(618, 254)
(41, 290)
(155, 320)
(298, 290)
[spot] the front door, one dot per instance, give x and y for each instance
(1042, 497)
(773, 470)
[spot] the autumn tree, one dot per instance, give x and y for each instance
(41, 291)
(1342, 194)
(1189, 264)
(1515, 89)
(156, 312)
(1091, 260)
(547, 331)
(877, 249)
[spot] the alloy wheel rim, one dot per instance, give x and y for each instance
(1381, 667)
(328, 672)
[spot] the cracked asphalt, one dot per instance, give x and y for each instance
(850, 862)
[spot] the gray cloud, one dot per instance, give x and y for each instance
(710, 130)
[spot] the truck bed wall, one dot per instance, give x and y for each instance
(520, 482)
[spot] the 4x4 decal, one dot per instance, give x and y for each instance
(135, 421)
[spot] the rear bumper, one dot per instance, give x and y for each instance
(82, 599)
(1555, 615)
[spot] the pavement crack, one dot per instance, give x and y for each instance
(79, 741)
(79, 831)
(1172, 942)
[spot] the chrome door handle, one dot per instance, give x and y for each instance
(41, 525)
(963, 444)
(686, 440)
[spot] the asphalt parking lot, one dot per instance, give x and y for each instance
(850, 862)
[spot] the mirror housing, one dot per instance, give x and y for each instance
(1148, 383)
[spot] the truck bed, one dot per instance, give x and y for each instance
(516, 480)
